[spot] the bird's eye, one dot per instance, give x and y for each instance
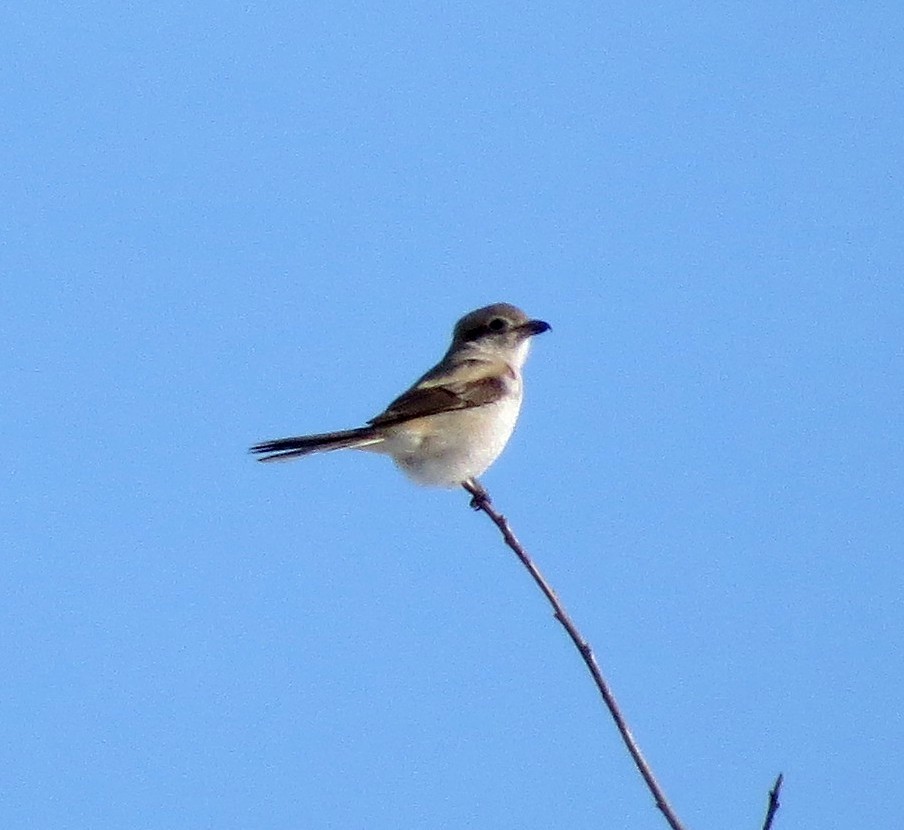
(497, 324)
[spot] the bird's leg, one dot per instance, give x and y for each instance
(479, 494)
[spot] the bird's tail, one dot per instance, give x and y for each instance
(284, 449)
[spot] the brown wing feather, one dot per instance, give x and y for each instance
(431, 400)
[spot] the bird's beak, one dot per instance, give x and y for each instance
(532, 327)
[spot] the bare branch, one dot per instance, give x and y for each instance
(481, 501)
(773, 805)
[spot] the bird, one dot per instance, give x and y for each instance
(455, 420)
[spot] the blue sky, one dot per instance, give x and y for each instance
(230, 222)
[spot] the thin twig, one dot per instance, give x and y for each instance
(481, 501)
(774, 804)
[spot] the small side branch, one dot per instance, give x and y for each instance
(773, 805)
(481, 501)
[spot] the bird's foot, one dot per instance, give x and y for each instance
(480, 498)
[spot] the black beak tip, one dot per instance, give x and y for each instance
(538, 326)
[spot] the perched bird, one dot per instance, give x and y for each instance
(453, 423)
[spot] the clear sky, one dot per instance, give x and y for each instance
(227, 222)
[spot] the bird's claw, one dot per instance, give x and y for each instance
(480, 498)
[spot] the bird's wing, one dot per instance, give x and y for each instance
(468, 384)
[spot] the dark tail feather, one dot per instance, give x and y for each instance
(284, 449)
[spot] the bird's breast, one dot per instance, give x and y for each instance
(448, 448)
